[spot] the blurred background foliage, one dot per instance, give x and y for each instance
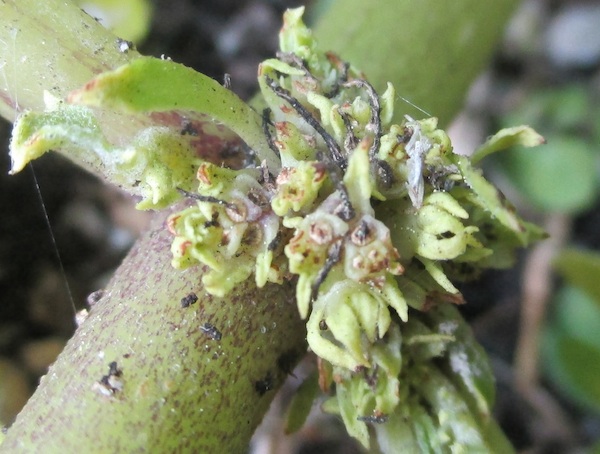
(128, 19)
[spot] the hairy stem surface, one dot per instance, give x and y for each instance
(194, 379)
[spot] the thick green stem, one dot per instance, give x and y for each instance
(430, 50)
(187, 386)
(53, 46)
(50, 46)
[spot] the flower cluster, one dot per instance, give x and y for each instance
(368, 217)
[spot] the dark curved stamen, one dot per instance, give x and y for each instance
(337, 163)
(385, 174)
(332, 145)
(205, 198)
(350, 141)
(344, 68)
(266, 122)
(345, 211)
(375, 122)
(334, 254)
(294, 60)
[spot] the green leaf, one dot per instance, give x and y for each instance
(456, 422)
(546, 176)
(301, 404)
(567, 361)
(571, 344)
(154, 164)
(581, 269)
(395, 435)
(577, 315)
(563, 109)
(506, 138)
(154, 85)
(467, 364)
(36, 133)
(494, 202)
(595, 448)
(350, 412)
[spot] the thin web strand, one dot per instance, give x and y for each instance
(54, 245)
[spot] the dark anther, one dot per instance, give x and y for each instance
(447, 235)
(323, 325)
(332, 145)
(212, 223)
(291, 59)
(266, 122)
(110, 383)
(189, 299)
(350, 141)
(371, 379)
(404, 138)
(266, 178)
(211, 331)
(294, 60)
(334, 254)
(343, 68)
(344, 73)
(275, 242)
(206, 198)
(345, 211)
(385, 174)
(439, 177)
(375, 122)
(361, 234)
(258, 198)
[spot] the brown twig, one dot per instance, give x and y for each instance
(537, 289)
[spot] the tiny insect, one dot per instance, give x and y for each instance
(416, 148)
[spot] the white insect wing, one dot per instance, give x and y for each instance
(416, 148)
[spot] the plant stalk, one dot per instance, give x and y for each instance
(418, 46)
(194, 379)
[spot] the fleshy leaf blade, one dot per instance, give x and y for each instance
(154, 85)
(508, 137)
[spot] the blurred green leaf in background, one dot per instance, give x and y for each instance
(571, 344)
(128, 19)
(565, 117)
